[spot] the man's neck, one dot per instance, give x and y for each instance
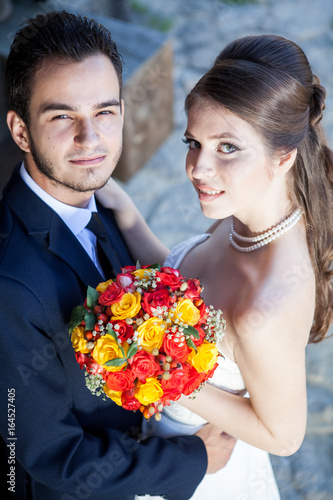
(57, 190)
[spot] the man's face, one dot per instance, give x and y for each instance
(75, 130)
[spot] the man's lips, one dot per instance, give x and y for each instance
(208, 194)
(88, 161)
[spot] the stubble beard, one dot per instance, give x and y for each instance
(47, 168)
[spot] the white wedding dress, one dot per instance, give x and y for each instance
(248, 475)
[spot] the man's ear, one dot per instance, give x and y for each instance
(18, 130)
(285, 161)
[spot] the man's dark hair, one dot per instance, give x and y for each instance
(53, 35)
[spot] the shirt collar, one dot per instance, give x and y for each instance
(75, 218)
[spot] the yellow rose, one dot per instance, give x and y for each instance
(114, 395)
(187, 312)
(127, 307)
(103, 286)
(205, 358)
(151, 334)
(106, 348)
(148, 392)
(143, 274)
(78, 341)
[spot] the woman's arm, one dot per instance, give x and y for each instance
(270, 352)
(141, 241)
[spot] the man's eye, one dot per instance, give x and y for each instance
(60, 117)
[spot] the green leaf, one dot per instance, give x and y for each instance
(132, 350)
(190, 343)
(116, 362)
(156, 266)
(190, 330)
(122, 350)
(77, 317)
(92, 297)
(113, 334)
(90, 320)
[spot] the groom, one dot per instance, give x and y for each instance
(59, 441)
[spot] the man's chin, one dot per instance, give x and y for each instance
(83, 187)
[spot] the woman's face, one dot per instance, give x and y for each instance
(227, 163)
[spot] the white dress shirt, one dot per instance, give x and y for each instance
(75, 218)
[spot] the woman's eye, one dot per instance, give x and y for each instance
(192, 143)
(228, 148)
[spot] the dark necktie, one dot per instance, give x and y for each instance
(107, 255)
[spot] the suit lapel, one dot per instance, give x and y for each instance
(40, 221)
(64, 244)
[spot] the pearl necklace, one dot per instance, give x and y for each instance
(267, 236)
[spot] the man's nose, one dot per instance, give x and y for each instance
(86, 134)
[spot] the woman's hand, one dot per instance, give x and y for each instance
(114, 197)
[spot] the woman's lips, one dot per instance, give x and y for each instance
(208, 194)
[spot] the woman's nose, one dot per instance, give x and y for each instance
(202, 165)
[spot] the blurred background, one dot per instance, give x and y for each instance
(167, 45)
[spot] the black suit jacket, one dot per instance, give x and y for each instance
(69, 444)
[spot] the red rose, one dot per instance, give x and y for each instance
(129, 402)
(169, 278)
(174, 344)
(122, 329)
(111, 295)
(96, 369)
(176, 382)
(143, 365)
(125, 281)
(201, 333)
(82, 359)
(202, 309)
(160, 298)
(120, 381)
(193, 382)
(128, 269)
(170, 395)
(193, 289)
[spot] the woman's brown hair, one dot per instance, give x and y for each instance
(267, 81)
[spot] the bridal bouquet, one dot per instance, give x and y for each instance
(146, 338)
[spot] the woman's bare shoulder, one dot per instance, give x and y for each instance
(282, 302)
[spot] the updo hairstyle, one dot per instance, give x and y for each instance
(267, 81)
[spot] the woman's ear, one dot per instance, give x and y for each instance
(18, 130)
(284, 162)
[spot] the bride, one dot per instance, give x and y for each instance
(260, 165)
